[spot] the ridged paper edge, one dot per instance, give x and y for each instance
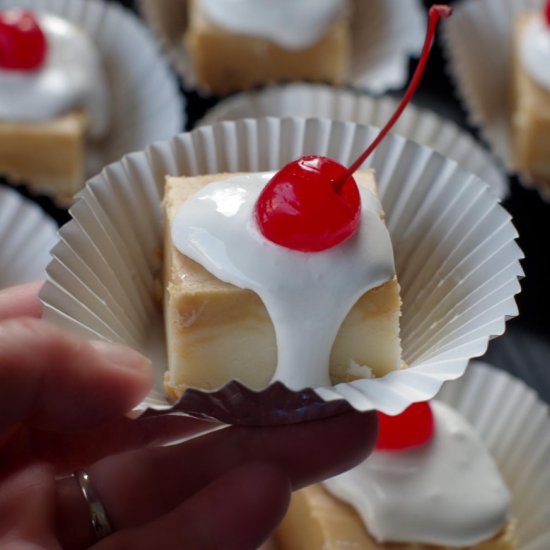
(515, 426)
(419, 125)
(411, 179)
(26, 236)
(488, 24)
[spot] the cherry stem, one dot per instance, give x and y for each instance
(435, 14)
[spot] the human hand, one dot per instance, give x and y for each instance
(62, 408)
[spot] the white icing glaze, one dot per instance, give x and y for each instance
(535, 51)
(71, 78)
(447, 492)
(290, 23)
(307, 295)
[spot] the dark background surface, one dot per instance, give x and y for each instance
(524, 349)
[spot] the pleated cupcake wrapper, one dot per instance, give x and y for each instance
(419, 125)
(456, 258)
(145, 102)
(26, 236)
(384, 34)
(515, 426)
(478, 42)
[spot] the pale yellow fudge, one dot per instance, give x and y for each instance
(443, 493)
(530, 116)
(224, 61)
(217, 332)
(48, 156)
(318, 521)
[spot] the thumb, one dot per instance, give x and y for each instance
(54, 381)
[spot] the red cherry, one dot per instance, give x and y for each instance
(313, 204)
(413, 427)
(23, 45)
(547, 11)
(301, 209)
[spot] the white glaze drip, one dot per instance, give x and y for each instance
(448, 492)
(71, 78)
(535, 51)
(307, 295)
(290, 23)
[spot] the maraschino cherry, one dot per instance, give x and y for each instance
(411, 428)
(300, 208)
(313, 203)
(547, 12)
(23, 45)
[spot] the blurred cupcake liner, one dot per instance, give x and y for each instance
(456, 259)
(419, 125)
(500, 408)
(384, 34)
(514, 424)
(26, 236)
(146, 104)
(478, 42)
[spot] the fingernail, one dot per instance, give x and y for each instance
(122, 357)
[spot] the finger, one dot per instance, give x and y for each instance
(74, 451)
(69, 452)
(236, 512)
(306, 452)
(54, 381)
(21, 301)
(26, 509)
(158, 479)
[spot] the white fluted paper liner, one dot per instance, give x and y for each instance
(384, 34)
(26, 236)
(478, 42)
(455, 249)
(146, 105)
(419, 125)
(515, 426)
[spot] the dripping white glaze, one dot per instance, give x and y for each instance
(307, 295)
(447, 492)
(72, 77)
(535, 51)
(290, 23)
